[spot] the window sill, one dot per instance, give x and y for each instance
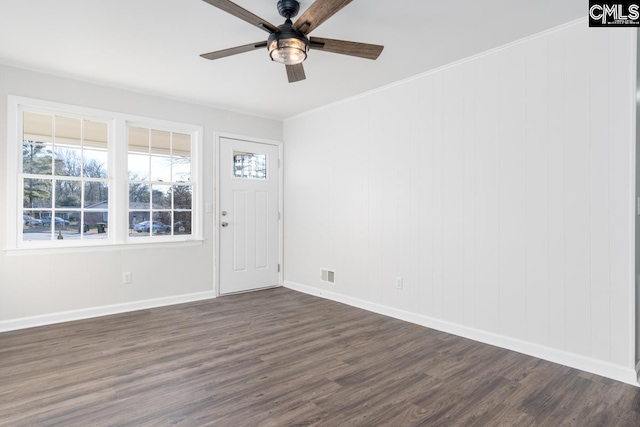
(104, 247)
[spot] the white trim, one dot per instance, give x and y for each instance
(216, 162)
(598, 367)
(87, 313)
(633, 328)
(117, 177)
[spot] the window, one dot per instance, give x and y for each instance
(64, 180)
(160, 190)
(87, 177)
(249, 165)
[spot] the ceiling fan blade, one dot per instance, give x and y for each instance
(295, 73)
(361, 50)
(317, 13)
(234, 50)
(243, 14)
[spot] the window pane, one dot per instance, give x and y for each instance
(139, 224)
(36, 157)
(96, 195)
(181, 145)
(139, 196)
(68, 161)
(33, 228)
(181, 169)
(37, 127)
(138, 167)
(181, 150)
(138, 140)
(182, 197)
(249, 165)
(165, 163)
(161, 223)
(161, 168)
(95, 163)
(96, 135)
(68, 132)
(67, 224)
(95, 225)
(37, 193)
(59, 221)
(161, 196)
(160, 142)
(68, 194)
(182, 223)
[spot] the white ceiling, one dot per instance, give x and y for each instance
(153, 46)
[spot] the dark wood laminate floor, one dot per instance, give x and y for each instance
(281, 358)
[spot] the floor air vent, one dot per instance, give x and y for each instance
(328, 275)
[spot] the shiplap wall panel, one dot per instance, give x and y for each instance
(487, 202)
(512, 214)
(424, 117)
(537, 149)
(452, 202)
(599, 182)
(488, 186)
(577, 196)
(621, 158)
(374, 248)
(469, 202)
(555, 94)
(438, 194)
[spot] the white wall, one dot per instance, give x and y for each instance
(499, 188)
(49, 283)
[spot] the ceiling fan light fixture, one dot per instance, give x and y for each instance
(288, 46)
(288, 51)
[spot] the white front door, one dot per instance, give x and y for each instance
(248, 223)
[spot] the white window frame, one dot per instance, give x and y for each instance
(117, 176)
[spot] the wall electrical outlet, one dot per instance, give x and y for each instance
(126, 277)
(399, 283)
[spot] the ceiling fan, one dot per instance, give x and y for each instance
(288, 43)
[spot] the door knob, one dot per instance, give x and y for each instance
(225, 224)
(224, 213)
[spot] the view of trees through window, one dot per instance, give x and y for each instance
(160, 188)
(64, 177)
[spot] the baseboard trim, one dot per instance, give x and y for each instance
(87, 313)
(594, 366)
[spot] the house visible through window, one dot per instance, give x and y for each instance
(64, 181)
(160, 190)
(80, 177)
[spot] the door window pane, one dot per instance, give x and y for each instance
(249, 165)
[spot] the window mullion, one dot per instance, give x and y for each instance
(119, 188)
